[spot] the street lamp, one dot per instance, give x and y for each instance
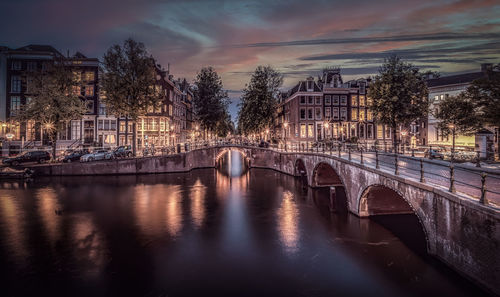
(403, 134)
(453, 129)
(285, 125)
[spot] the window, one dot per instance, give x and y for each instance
(335, 99)
(170, 109)
(89, 91)
(380, 132)
(309, 85)
(15, 86)
(76, 90)
(343, 113)
(102, 109)
(361, 131)
(106, 125)
(29, 84)
(90, 106)
(310, 114)
(15, 104)
(122, 126)
(28, 100)
(302, 113)
(302, 99)
(335, 113)
(328, 100)
(354, 100)
(100, 124)
(318, 100)
(77, 76)
(310, 100)
(369, 115)
(75, 130)
(31, 66)
(303, 131)
(16, 65)
(362, 87)
(369, 131)
(354, 114)
(343, 100)
(113, 125)
(362, 100)
(318, 113)
(89, 76)
(328, 112)
(310, 130)
(388, 132)
(362, 115)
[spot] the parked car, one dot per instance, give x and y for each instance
(74, 156)
(25, 157)
(433, 154)
(264, 144)
(97, 155)
(124, 151)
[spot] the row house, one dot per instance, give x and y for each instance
(16, 65)
(328, 109)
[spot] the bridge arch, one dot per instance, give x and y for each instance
(381, 200)
(220, 153)
(324, 175)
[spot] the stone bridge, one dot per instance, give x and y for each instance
(459, 231)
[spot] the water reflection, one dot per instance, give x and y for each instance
(88, 245)
(288, 221)
(48, 205)
(197, 196)
(12, 227)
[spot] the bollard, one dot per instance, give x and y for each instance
(478, 160)
(452, 178)
(361, 154)
(349, 151)
(376, 159)
(483, 199)
(396, 167)
(422, 177)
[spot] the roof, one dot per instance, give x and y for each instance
(454, 79)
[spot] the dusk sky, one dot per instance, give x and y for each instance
(299, 38)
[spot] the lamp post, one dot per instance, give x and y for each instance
(285, 125)
(453, 128)
(403, 135)
(267, 134)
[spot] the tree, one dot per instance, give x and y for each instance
(54, 101)
(485, 93)
(399, 94)
(210, 100)
(456, 114)
(128, 82)
(225, 126)
(259, 101)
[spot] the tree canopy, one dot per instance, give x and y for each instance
(129, 79)
(210, 100)
(485, 93)
(458, 111)
(399, 93)
(55, 99)
(259, 101)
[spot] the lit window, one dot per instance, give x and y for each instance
(89, 76)
(361, 100)
(89, 91)
(76, 90)
(303, 131)
(354, 114)
(361, 114)
(310, 130)
(369, 115)
(354, 101)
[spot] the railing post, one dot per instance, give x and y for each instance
(340, 147)
(483, 199)
(376, 159)
(396, 167)
(361, 154)
(422, 177)
(478, 160)
(349, 151)
(413, 152)
(452, 178)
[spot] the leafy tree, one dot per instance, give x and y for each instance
(259, 101)
(485, 93)
(225, 126)
(399, 94)
(210, 100)
(456, 114)
(128, 82)
(54, 102)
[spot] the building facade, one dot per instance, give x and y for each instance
(329, 109)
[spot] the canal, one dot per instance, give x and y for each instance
(210, 232)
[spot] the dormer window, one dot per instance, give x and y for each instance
(309, 85)
(362, 87)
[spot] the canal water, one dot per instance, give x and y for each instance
(224, 232)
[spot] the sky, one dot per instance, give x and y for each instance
(298, 38)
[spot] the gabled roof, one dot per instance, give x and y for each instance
(454, 79)
(39, 48)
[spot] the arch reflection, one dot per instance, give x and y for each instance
(197, 196)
